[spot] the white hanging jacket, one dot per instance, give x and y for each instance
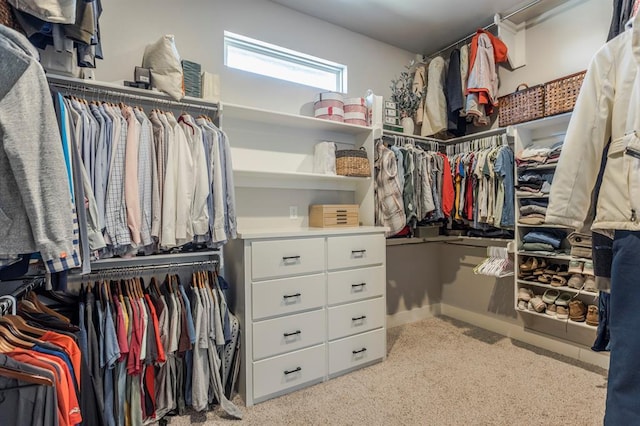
(605, 110)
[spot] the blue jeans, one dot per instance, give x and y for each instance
(623, 386)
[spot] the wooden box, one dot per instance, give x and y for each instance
(333, 215)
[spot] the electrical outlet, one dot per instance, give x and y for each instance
(293, 212)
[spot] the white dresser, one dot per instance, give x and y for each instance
(311, 304)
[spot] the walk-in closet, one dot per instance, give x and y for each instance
(271, 212)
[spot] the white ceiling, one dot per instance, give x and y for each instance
(419, 26)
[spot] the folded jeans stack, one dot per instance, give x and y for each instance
(536, 156)
(531, 182)
(547, 240)
(533, 212)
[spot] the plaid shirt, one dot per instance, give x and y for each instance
(388, 193)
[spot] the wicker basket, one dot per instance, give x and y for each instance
(353, 162)
(560, 95)
(6, 15)
(521, 105)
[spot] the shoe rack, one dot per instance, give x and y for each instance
(546, 274)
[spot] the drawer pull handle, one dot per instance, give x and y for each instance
(295, 370)
(361, 252)
(358, 285)
(359, 318)
(289, 296)
(290, 257)
(359, 352)
(292, 334)
(341, 211)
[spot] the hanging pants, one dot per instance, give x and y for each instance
(623, 389)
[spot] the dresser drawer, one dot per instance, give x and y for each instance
(356, 317)
(356, 350)
(286, 334)
(356, 284)
(287, 295)
(280, 258)
(355, 250)
(289, 370)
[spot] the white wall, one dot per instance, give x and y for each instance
(561, 42)
(128, 26)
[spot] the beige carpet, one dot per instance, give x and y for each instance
(442, 372)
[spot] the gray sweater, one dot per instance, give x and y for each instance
(35, 200)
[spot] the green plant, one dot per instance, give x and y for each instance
(403, 95)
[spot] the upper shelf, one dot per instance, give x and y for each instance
(274, 118)
(560, 119)
(295, 180)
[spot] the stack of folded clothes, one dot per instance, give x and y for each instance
(531, 182)
(533, 212)
(537, 156)
(548, 240)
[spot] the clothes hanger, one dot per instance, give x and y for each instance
(13, 336)
(20, 324)
(31, 296)
(24, 377)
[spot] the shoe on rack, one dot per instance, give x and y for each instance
(576, 281)
(558, 281)
(593, 315)
(577, 311)
(552, 310)
(522, 305)
(575, 267)
(562, 312)
(542, 266)
(529, 265)
(525, 294)
(563, 271)
(544, 278)
(590, 284)
(587, 269)
(550, 296)
(538, 304)
(564, 299)
(552, 269)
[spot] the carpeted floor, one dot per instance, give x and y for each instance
(442, 372)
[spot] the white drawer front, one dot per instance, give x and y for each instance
(281, 258)
(356, 250)
(356, 284)
(286, 371)
(288, 295)
(353, 351)
(277, 336)
(356, 317)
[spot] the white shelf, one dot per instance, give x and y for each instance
(583, 324)
(543, 315)
(548, 255)
(275, 118)
(544, 122)
(524, 225)
(563, 288)
(295, 180)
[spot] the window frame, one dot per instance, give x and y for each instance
(299, 59)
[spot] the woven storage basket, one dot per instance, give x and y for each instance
(521, 105)
(6, 17)
(353, 162)
(560, 95)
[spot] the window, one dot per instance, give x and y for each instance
(255, 56)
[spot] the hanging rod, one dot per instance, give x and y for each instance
(26, 286)
(129, 270)
(391, 133)
(487, 27)
(89, 87)
(475, 136)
